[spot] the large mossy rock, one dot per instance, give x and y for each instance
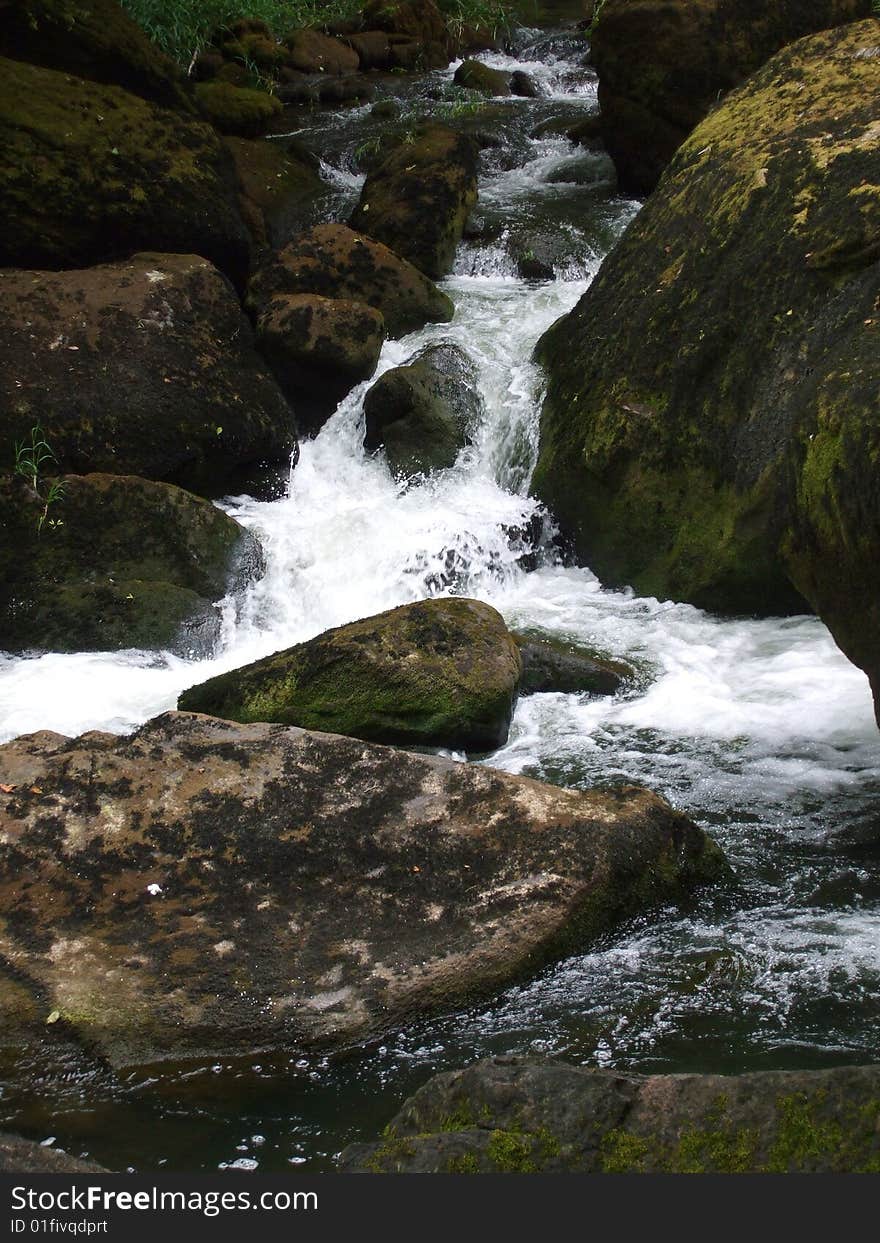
(553, 665)
(117, 561)
(511, 1115)
(438, 673)
(220, 889)
(237, 110)
(710, 431)
(94, 39)
(319, 349)
(418, 199)
(90, 173)
(663, 64)
(424, 413)
(475, 76)
(145, 367)
(336, 262)
(280, 190)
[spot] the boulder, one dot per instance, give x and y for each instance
(513, 1115)
(116, 561)
(335, 262)
(145, 367)
(90, 173)
(437, 673)
(663, 64)
(280, 189)
(98, 41)
(319, 349)
(476, 76)
(221, 889)
(372, 48)
(25, 1156)
(313, 52)
(423, 414)
(414, 24)
(524, 85)
(554, 665)
(711, 418)
(237, 110)
(419, 197)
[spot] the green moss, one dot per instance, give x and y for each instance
(235, 110)
(467, 1163)
(511, 1153)
(393, 1152)
(621, 1153)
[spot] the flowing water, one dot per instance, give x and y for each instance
(760, 730)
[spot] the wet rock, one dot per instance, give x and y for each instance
(523, 84)
(335, 262)
(280, 189)
(236, 110)
(97, 41)
(312, 52)
(114, 562)
(90, 173)
(510, 1115)
(586, 133)
(415, 24)
(319, 349)
(437, 673)
(475, 76)
(24, 1156)
(373, 49)
(423, 414)
(418, 199)
(144, 367)
(662, 66)
(555, 665)
(220, 889)
(734, 472)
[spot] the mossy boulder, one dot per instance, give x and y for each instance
(221, 889)
(709, 432)
(475, 76)
(279, 189)
(90, 173)
(116, 561)
(237, 110)
(144, 367)
(319, 349)
(424, 413)
(419, 197)
(515, 1115)
(554, 665)
(663, 64)
(335, 262)
(415, 25)
(93, 39)
(309, 51)
(438, 673)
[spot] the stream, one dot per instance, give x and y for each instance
(761, 731)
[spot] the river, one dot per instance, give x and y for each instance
(758, 729)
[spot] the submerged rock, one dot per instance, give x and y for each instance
(145, 367)
(438, 673)
(475, 76)
(336, 262)
(116, 561)
(419, 197)
(221, 889)
(663, 64)
(735, 469)
(90, 173)
(319, 349)
(509, 1115)
(554, 665)
(424, 413)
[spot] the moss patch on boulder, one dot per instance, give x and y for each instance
(439, 673)
(475, 76)
(237, 110)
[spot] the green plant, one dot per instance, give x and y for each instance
(491, 15)
(29, 459)
(598, 6)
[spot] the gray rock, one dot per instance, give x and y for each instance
(553, 665)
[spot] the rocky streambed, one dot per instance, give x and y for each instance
(236, 943)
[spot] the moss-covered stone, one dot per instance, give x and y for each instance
(280, 189)
(554, 665)
(417, 29)
(93, 39)
(475, 76)
(91, 172)
(424, 413)
(439, 673)
(697, 392)
(335, 262)
(116, 561)
(240, 111)
(309, 51)
(663, 64)
(527, 1116)
(319, 349)
(418, 199)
